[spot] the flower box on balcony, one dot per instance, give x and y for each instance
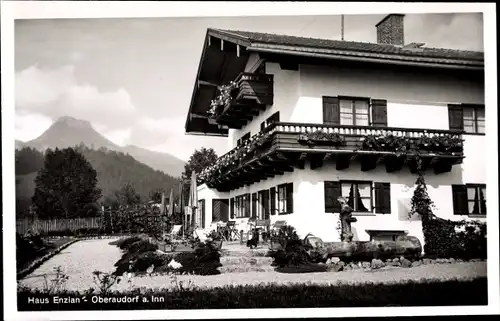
(322, 138)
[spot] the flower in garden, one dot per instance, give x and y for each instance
(174, 264)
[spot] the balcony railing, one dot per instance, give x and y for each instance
(242, 99)
(281, 147)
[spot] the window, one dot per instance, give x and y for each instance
(354, 112)
(274, 118)
(263, 204)
(469, 118)
(359, 196)
(242, 206)
(469, 199)
(243, 139)
(285, 198)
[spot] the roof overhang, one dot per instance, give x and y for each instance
(225, 55)
(223, 58)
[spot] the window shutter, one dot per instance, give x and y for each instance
(379, 112)
(332, 192)
(232, 208)
(331, 110)
(289, 198)
(247, 205)
(262, 125)
(203, 213)
(273, 200)
(455, 117)
(460, 206)
(265, 201)
(254, 205)
(275, 118)
(383, 198)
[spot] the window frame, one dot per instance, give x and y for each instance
(353, 113)
(240, 206)
(357, 183)
(282, 198)
(474, 109)
(477, 188)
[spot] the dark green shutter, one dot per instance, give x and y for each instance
(289, 198)
(254, 205)
(460, 206)
(232, 208)
(273, 200)
(247, 205)
(379, 112)
(331, 110)
(262, 125)
(455, 117)
(202, 210)
(332, 192)
(383, 198)
(265, 201)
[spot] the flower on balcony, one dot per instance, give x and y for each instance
(319, 136)
(386, 142)
(224, 97)
(226, 163)
(444, 143)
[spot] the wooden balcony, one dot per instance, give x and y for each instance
(253, 93)
(283, 147)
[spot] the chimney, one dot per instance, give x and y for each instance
(390, 30)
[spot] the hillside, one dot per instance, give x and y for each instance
(114, 169)
(68, 131)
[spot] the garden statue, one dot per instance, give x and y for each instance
(345, 220)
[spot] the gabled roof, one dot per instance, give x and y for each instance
(256, 40)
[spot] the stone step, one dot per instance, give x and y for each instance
(245, 268)
(245, 260)
(245, 253)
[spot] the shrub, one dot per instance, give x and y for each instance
(454, 239)
(141, 254)
(126, 242)
(292, 251)
(425, 293)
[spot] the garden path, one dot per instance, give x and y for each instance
(78, 261)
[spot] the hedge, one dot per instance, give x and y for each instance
(454, 239)
(430, 293)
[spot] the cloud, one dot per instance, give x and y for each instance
(56, 93)
(29, 126)
(118, 136)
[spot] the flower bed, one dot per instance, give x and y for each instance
(428, 293)
(139, 255)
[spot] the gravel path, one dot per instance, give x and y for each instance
(78, 261)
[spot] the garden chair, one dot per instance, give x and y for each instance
(233, 231)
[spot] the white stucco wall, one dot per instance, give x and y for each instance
(414, 101)
(207, 194)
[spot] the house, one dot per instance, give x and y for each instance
(302, 117)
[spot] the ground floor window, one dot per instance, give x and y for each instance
(362, 196)
(469, 199)
(285, 198)
(241, 206)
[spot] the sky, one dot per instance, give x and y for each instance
(133, 78)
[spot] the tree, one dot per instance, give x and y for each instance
(66, 186)
(199, 160)
(128, 196)
(155, 195)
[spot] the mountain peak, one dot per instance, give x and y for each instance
(73, 122)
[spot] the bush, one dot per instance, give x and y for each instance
(293, 251)
(429, 293)
(203, 261)
(454, 239)
(125, 242)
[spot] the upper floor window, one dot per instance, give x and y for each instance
(354, 111)
(469, 118)
(469, 199)
(274, 118)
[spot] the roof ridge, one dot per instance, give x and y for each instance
(428, 49)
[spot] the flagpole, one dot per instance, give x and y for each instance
(342, 26)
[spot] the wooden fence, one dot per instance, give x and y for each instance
(73, 224)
